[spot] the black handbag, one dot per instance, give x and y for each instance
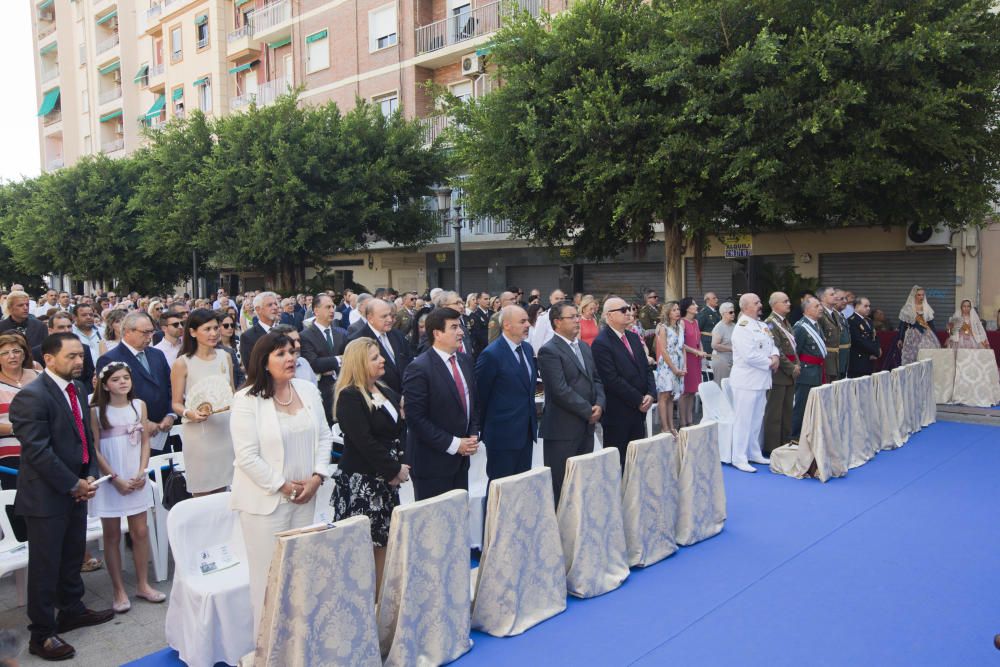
(174, 488)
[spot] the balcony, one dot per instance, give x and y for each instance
(49, 73)
(478, 22)
(479, 229)
(55, 163)
(113, 146)
(241, 43)
(273, 22)
(45, 29)
(52, 117)
(266, 94)
(109, 95)
(434, 126)
(107, 44)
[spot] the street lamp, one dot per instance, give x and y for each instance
(444, 206)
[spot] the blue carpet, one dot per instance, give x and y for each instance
(896, 564)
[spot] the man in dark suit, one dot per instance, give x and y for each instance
(439, 391)
(505, 378)
(150, 373)
(344, 308)
(627, 378)
(481, 322)
(56, 479)
(864, 341)
(394, 348)
(322, 343)
(19, 320)
(62, 322)
(811, 349)
(290, 314)
(574, 395)
(265, 305)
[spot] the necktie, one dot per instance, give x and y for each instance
(142, 359)
(579, 355)
(524, 364)
(459, 384)
(329, 338)
(78, 418)
(388, 348)
(627, 346)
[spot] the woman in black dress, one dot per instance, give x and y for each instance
(371, 418)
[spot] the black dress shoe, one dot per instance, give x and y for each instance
(53, 648)
(88, 617)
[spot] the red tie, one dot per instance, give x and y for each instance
(459, 384)
(78, 418)
(627, 346)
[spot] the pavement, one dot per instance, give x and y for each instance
(128, 637)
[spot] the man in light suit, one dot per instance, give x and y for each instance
(58, 466)
(265, 305)
(865, 349)
(629, 388)
(150, 373)
(574, 395)
(322, 343)
(812, 351)
(392, 345)
(505, 378)
(755, 358)
(439, 392)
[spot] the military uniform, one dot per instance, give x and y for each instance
(778, 411)
(707, 318)
(648, 317)
(480, 329)
(404, 321)
(812, 352)
(829, 325)
(493, 327)
(844, 349)
(753, 347)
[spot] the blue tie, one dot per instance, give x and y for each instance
(524, 364)
(141, 356)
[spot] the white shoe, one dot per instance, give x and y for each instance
(745, 467)
(762, 460)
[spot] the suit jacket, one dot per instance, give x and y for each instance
(844, 348)
(51, 448)
(781, 330)
(830, 327)
(394, 370)
(153, 387)
(707, 318)
(355, 328)
(293, 319)
(33, 330)
(507, 415)
(260, 451)
(864, 344)
(805, 344)
(371, 437)
(435, 414)
(317, 351)
(480, 329)
(626, 378)
(248, 339)
(86, 377)
(570, 391)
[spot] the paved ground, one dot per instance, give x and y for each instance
(128, 637)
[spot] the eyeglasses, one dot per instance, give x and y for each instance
(227, 326)
(12, 353)
(175, 324)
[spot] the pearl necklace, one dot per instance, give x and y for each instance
(291, 397)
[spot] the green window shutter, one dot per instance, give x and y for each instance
(110, 68)
(141, 74)
(241, 68)
(111, 116)
(161, 101)
(202, 19)
(240, 3)
(49, 102)
(177, 94)
(46, 4)
(201, 82)
(107, 17)
(48, 49)
(280, 43)
(316, 37)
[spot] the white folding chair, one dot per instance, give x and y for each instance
(13, 554)
(158, 525)
(324, 512)
(717, 408)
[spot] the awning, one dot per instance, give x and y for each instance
(240, 3)
(318, 36)
(111, 116)
(201, 19)
(241, 68)
(49, 102)
(280, 43)
(161, 101)
(46, 4)
(141, 74)
(108, 69)
(177, 94)
(485, 49)
(49, 48)
(203, 81)
(107, 17)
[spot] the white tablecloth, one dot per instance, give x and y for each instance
(943, 360)
(977, 382)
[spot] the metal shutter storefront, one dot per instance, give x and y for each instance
(473, 279)
(886, 278)
(627, 280)
(543, 278)
(716, 276)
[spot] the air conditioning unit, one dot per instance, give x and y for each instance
(927, 237)
(472, 65)
(119, 128)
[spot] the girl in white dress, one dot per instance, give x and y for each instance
(122, 443)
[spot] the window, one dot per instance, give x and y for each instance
(463, 91)
(204, 94)
(201, 30)
(177, 97)
(387, 104)
(176, 45)
(382, 28)
(158, 52)
(317, 51)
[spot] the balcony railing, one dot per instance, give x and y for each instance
(107, 44)
(239, 33)
(202, 43)
(266, 94)
(471, 24)
(155, 71)
(52, 117)
(49, 73)
(476, 227)
(271, 15)
(113, 146)
(153, 14)
(241, 101)
(108, 95)
(44, 30)
(55, 163)
(83, 54)
(434, 126)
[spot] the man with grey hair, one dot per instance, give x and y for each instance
(392, 345)
(493, 328)
(19, 320)
(359, 315)
(778, 413)
(265, 305)
(755, 356)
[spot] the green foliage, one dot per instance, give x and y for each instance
(772, 279)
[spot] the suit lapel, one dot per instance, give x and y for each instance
(63, 402)
(137, 365)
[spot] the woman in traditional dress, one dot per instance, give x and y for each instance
(966, 329)
(916, 326)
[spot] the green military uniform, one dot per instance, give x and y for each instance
(494, 327)
(649, 316)
(404, 321)
(707, 318)
(808, 338)
(778, 411)
(829, 325)
(844, 350)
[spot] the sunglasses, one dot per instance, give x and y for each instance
(624, 310)
(227, 326)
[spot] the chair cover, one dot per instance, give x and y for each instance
(903, 379)
(819, 441)
(943, 371)
(649, 499)
(727, 389)
(477, 496)
(522, 574)
(209, 616)
(865, 441)
(315, 615)
(886, 414)
(716, 407)
(928, 398)
(915, 392)
(423, 610)
(701, 502)
(590, 524)
(977, 382)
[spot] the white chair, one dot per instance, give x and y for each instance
(158, 525)
(13, 554)
(209, 616)
(323, 512)
(717, 408)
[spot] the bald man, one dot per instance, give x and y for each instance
(392, 345)
(755, 356)
(493, 328)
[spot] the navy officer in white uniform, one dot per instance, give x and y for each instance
(755, 356)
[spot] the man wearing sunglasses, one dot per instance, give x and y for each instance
(172, 327)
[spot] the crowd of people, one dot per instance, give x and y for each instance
(91, 387)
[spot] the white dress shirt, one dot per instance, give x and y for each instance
(62, 389)
(445, 357)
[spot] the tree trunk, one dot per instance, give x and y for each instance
(672, 262)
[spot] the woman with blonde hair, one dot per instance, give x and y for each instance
(370, 415)
(112, 330)
(670, 364)
(589, 326)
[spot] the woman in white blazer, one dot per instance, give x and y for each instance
(282, 446)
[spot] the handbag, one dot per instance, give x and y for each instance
(174, 488)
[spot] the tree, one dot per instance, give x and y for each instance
(13, 197)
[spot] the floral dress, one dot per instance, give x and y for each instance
(666, 381)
